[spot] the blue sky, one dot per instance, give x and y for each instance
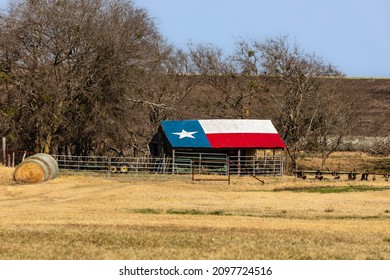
(353, 35)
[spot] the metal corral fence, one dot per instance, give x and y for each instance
(116, 167)
(124, 167)
(216, 164)
(181, 164)
(106, 166)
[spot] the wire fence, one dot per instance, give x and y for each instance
(243, 165)
(180, 164)
(114, 167)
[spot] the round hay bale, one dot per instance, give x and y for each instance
(31, 171)
(50, 162)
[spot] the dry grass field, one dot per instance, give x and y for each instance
(80, 217)
(347, 161)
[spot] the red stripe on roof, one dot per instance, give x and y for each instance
(246, 140)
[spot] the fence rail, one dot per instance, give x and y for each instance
(181, 164)
(268, 165)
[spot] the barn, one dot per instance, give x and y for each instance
(253, 145)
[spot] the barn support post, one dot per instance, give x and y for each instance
(4, 144)
(273, 159)
(239, 163)
(254, 165)
(228, 169)
(173, 162)
(164, 167)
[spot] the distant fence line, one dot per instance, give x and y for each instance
(181, 164)
(13, 157)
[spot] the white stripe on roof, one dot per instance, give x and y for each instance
(237, 126)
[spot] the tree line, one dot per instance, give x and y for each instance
(86, 77)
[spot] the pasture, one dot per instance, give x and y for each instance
(81, 217)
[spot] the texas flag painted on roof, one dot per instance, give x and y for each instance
(222, 133)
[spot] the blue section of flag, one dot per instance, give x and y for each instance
(185, 134)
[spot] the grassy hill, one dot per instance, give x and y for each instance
(370, 100)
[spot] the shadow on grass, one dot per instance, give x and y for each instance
(179, 212)
(332, 189)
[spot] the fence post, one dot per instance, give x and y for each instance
(192, 169)
(282, 166)
(228, 169)
(109, 168)
(4, 143)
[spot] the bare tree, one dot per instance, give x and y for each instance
(75, 68)
(331, 120)
(220, 96)
(297, 89)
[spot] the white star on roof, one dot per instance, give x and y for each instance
(185, 134)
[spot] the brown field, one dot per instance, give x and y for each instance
(346, 161)
(80, 217)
